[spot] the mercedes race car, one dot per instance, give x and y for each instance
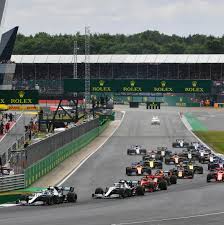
(50, 196)
(137, 169)
(180, 143)
(217, 175)
(155, 120)
(136, 150)
(122, 189)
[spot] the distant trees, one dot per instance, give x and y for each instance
(148, 42)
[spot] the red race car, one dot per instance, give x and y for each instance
(153, 183)
(217, 175)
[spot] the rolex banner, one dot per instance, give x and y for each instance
(21, 97)
(137, 86)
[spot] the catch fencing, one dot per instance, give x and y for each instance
(12, 182)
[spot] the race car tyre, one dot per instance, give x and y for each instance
(148, 171)
(71, 197)
(173, 179)
(128, 171)
(174, 145)
(209, 177)
(167, 161)
(49, 201)
(200, 170)
(99, 191)
(122, 193)
(163, 185)
(191, 174)
(129, 152)
(140, 190)
(143, 151)
(56, 200)
(167, 180)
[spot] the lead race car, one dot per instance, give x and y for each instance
(122, 189)
(49, 196)
(155, 120)
(136, 150)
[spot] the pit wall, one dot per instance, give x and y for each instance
(45, 165)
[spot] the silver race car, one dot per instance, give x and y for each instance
(136, 150)
(155, 120)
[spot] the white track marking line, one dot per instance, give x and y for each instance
(84, 160)
(170, 219)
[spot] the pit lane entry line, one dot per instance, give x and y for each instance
(170, 219)
(73, 171)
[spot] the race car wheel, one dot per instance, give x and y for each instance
(167, 179)
(49, 201)
(99, 191)
(128, 172)
(163, 185)
(209, 177)
(148, 171)
(200, 170)
(128, 152)
(56, 199)
(140, 190)
(173, 179)
(122, 193)
(143, 151)
(71, 197)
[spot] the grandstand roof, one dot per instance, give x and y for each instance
(153, 58)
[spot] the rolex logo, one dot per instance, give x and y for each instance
(21, 94)
(132, 83)
(194, 83)
(163, 83)
(101, 82)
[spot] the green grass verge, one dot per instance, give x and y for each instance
(215, 139)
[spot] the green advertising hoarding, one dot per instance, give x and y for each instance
(137, 86)
(19, 97)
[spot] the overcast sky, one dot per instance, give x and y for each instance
(182, 17)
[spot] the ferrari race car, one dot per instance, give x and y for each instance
(137, 169)
(122, 189)
(155, 120)
(180, 143)
(217, 175)
(166, 175)
(153, 183)
(183, 172)
(136, 150)
(50, 196)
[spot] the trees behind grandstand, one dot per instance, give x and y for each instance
(148, 42)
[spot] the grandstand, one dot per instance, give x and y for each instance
(49, 70)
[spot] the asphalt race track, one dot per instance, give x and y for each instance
(188, 202)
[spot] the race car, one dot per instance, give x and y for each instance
(155, 120)
(190, 154)
(173, 159)
(151, 155)
(166, 175)
(136, 150)
(194, 145)
(153, 163)
(197, 169)
(182, 172)
(50, 196)
(217, 175)
(122, 189)
(217, 162)
(180, 143)
(137, 169)
(153, 183)
(205, 157)
(162, 152)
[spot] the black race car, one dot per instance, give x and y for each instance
(180, 143)
(182, 172)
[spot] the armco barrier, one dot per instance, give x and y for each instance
(45, 165)
(12, 182)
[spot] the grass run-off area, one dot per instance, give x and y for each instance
(214, 139)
